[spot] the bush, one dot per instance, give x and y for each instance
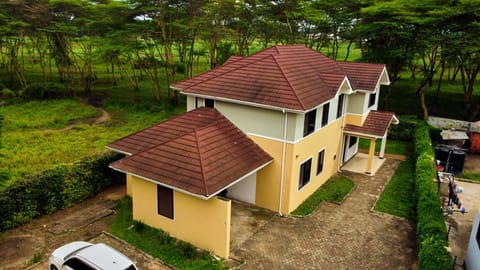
(43, 92)
(403, 131)
(7, 93)
(56, 188)
(432, 233)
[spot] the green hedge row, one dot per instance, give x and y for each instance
(55, 189)
(432, 234)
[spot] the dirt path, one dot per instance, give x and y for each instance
(103, 118)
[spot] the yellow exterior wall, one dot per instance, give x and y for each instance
(328, 138)
(203, 223)
(128, 185)
(268, 179)
(355, 119)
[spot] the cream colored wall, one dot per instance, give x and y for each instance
(203, 223)
(254, 120)
(328, 138)
(357, 103)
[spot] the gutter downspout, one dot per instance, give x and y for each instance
(282, 176)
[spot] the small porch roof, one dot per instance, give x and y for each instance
(375, 126)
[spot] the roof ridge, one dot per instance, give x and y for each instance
(201, 163)
(288, 81)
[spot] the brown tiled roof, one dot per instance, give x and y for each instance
(375, 125)
(292, 77)
(363, 76)
(200, 159)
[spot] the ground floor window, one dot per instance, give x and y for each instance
(321, 157)
(305, 169)
(165, 201)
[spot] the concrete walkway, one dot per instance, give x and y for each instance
(347, 236)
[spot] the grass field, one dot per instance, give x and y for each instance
(40, 134)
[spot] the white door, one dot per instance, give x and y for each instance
(351, 147)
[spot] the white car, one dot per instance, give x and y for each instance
(87, 256)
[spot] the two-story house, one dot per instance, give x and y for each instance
(267, 129)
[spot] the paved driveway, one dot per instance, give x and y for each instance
(346, 236)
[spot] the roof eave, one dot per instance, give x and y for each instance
(191, 193)
(270, 107)
(118, 150)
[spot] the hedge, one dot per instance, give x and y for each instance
(55, 189)
(432, 233)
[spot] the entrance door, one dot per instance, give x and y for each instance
(351, 147)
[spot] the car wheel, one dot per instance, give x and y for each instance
(53, 267)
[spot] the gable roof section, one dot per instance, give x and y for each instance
(287, 77)
(202, 160)
(376, 125)
(363, 76)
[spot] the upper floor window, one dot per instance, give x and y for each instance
(195, 100)
(326, 108)
(304, 177)
(372, 99)
(209, 103)
(340, 105)
(309, 122)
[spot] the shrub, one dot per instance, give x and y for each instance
(7, 93)
(55, 188)
(432, 234)
(43, 92)
(403, 131)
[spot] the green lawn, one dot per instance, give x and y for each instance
(471, 176)
(398, 198)
(40, 134)
(157, 243)
(334, 190)
(392, 147)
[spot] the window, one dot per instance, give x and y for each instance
(478, 236)
(340, 105)
(77, 264)
(209, 103)
(371, 101)
(321, 157)
(352, 141)
(165, 201)
(309, 122)
(305, 169)
(326, 108)
(195, 100)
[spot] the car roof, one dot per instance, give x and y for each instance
(104, 257)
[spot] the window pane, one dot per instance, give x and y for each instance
(340, 106)
(326, 108)
(371, 101)
(165, 201)
(305, 169)
(321, 155)
(309, 122)
(352, 142)
(209, 103)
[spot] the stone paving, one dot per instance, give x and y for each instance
(346, 236)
